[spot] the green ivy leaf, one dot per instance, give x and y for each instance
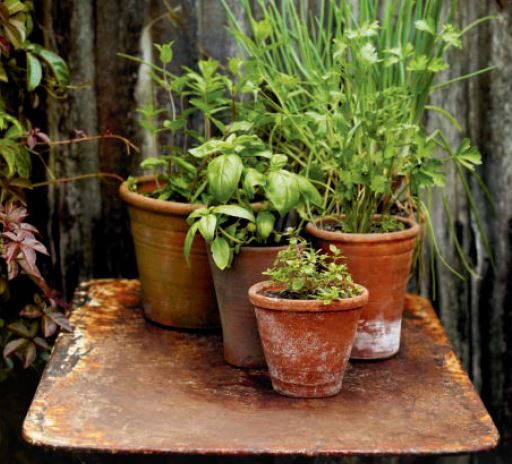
(223, 175)
(283, 191)
(221, 253)
(34, 72)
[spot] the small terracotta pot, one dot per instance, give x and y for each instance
(382, 264)
(307, 343)
(242, 346)
(174, 293)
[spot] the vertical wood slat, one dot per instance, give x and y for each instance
(74, 208)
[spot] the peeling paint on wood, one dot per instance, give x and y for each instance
(119, 384)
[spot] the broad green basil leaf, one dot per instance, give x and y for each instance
(283, 191)
(221, 253)
(309, 191)
(265, 224)
(278, 162)
(223, 175)
(234, 211)
(207, 148)
(34, 72)
(252, 179)
(207, 225)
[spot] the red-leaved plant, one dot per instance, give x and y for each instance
(38, 321)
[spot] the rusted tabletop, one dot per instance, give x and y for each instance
(119, 384)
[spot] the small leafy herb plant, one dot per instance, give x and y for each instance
(302, 273)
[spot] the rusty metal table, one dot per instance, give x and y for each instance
(119, 384)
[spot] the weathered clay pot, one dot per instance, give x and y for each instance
(307, 343)
(174, 293)
(242, 346)
(382, 264)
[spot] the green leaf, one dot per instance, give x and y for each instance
(9, 155)
(282, 190)
(15, 6)
(189, 240)
(425, 25)
(252, 179)
(221, 253)
(262, 29)
(153, 163)
(379, 184)
(468, 155)
(174, 125)
(265, 221)
(437, 65)
(207, 225)
(418, 63)
(223, 175)
(309, 191)
(278, 162)
(165, 51)
(234, 211)
(3, 74)
(452, 35)
(198, 213)
(58, 66)
(207, 148)
(34, 72)
(369, 54)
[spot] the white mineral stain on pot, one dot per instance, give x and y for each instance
(377, 336)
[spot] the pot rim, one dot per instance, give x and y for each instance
(411, 232)
(300, 306)
(137, 200)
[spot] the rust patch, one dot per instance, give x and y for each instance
(119, 384)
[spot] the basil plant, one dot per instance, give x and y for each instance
(253, 198)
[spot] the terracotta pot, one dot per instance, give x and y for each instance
(382, 264)
(306, 342)
(174, 293)
(242, 346)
